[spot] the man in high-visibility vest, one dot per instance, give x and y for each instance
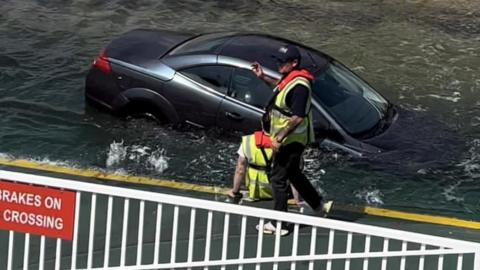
(254, 158)
(291, 128)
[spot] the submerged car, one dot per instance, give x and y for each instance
(206, 81)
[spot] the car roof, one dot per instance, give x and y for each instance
(249, 47)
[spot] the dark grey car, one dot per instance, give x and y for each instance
(206, 80)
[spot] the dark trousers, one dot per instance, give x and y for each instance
(286, 166)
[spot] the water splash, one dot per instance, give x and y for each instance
(126, 159)
(116, 154)
(158, 160)
(370, 196)
(137, 152)
(5, 156)
(120, 171)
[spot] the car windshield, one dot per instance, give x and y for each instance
(355, 105)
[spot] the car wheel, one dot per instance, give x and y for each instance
(141, 109)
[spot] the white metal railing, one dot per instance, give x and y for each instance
(120, 228)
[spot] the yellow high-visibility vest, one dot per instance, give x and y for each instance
(256, 178)
(280, 113)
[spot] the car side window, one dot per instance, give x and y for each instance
(247, 88)
(216, 77)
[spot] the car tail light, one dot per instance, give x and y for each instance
(101, 62)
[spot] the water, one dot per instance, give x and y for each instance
(421, 55)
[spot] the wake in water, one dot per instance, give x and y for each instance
(471, 165)
(464, 182)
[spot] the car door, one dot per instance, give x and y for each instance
(242, 107)
(200, 91)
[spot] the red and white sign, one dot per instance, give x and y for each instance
(37, 210)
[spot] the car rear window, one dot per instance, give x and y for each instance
(253, 48)
(204, 44)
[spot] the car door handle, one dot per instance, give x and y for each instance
(234, 116)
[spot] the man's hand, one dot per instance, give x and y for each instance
(257, 69)
(275, 145)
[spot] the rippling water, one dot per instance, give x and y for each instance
(422, 55)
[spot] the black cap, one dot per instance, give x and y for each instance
(286, 53)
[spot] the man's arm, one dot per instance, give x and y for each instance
(270, 81)
(240, 171)
(293, 122)
(257, 69)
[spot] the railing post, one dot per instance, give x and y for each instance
(476, 259)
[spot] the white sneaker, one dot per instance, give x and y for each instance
(269, 228)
